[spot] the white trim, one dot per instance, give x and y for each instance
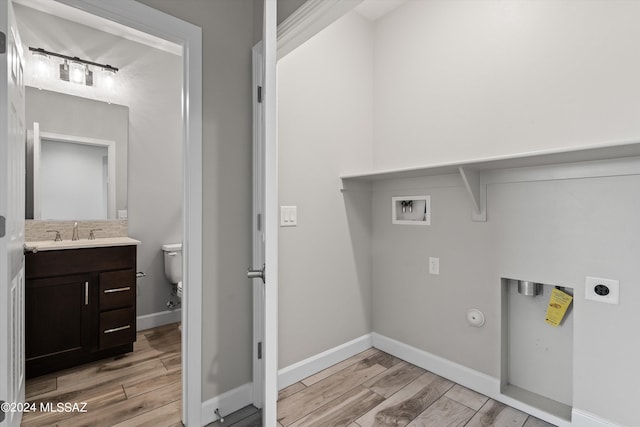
(582, 418)
(159, 24)
(308, 20)
(314, 364)
(227, 403)
(33, 136)
(270, 105)
(153, 320)
(467, 377)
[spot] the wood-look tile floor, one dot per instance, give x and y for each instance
(376, 389)
(142, 388)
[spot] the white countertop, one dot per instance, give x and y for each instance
(50, 245)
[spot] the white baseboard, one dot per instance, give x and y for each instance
(227, 403)
(582, 418)
(314, 364)
(470, 378)
(153, 320)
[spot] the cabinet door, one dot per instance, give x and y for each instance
(58, 317)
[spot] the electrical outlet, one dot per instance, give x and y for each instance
(602, 290)
(434, 266)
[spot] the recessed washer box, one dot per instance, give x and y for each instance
(411, 210)
(602, 290)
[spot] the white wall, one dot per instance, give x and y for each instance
(227, 31)
(549, 232)
(455, 81)
(149, 83)
(465, 79)
(325, 97)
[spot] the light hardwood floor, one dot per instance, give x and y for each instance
(372, 388)
(142, 388)
(376, 389)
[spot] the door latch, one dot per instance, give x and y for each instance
(256, 274)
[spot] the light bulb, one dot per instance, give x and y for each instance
(41, 66)
(76, 72)
(108, 80)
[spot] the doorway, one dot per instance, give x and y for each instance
(188, 38)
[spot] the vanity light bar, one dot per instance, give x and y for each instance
(41, 51)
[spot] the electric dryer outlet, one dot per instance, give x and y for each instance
(602, 290)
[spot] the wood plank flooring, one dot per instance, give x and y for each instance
(142, 388)
(375, 389)
(372, 388)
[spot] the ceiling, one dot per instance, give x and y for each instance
(76, 15)
(376, 9)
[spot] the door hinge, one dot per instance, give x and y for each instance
(259, 93)
(259, 222)
(3, 42)
(2, 402)
(260, 350)
(3, 223)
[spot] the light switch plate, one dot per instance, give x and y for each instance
(288, 216)
(602, 290)
(434, 266)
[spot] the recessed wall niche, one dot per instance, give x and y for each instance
(536, 357)
(411, 210)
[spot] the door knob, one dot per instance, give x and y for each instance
(256, 274)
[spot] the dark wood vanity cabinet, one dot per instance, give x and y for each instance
(80, 306)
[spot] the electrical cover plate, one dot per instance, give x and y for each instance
(602, 290)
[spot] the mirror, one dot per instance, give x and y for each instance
(76, 157)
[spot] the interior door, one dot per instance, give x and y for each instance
(265, 247)
(12, 207)
(258, 226)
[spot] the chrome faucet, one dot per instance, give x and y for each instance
(75, 231)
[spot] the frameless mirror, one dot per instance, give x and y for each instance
(76, 157)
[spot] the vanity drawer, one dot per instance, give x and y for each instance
(76, 261)
(117, 289)
(117, 327)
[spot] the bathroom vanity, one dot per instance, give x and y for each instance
(80, 302)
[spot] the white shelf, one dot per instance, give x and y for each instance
(473, 171)
(533, 158)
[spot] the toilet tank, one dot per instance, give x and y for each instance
(173, 262)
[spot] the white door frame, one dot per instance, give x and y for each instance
(151, 21)
(270, 126)
(303, 24)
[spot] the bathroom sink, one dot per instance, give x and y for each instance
(50, 245)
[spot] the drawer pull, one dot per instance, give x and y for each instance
(121, 328)
(86, 293)
(110, 291)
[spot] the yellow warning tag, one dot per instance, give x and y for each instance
(557, 308)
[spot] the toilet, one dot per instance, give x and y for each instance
(173, 265)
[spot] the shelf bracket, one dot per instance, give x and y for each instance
(477, 192)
